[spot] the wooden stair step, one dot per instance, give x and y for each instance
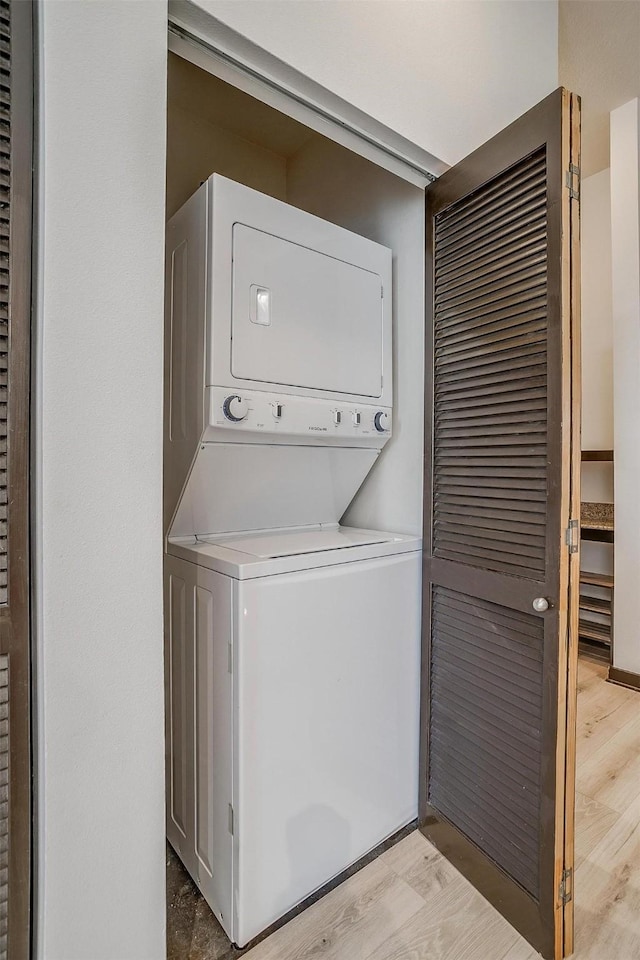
(596, 579)
(595, 605)
(597, 455)
(595, 650)
(594, 631)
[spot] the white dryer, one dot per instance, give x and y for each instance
(292, 643)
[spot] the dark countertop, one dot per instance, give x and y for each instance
(596, 516)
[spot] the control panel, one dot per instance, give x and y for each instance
(315, 419)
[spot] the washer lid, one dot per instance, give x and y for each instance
(312, 548)
(290, 543)
(267, 486)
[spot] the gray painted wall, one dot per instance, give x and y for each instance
(98, 539)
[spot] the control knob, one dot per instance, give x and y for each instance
(235, 408)
(381, 421)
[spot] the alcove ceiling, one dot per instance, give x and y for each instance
(221, 104)
(599, 59)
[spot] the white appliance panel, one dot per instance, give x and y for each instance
(272, 417)
(185, 308)
(219, 553)
(199, 738)
(302, 318)
(327, 666)
(234, 486)
(179, 668)
(244, 313)
(293, 543)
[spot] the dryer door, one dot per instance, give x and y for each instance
(304, 319)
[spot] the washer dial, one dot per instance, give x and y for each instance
(381, 421)
(235, 408)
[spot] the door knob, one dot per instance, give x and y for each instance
(540, 604)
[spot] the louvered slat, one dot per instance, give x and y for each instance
(5, 246)
(521, 174)
(4, 795)
(490, 375)
(484, 262)
(5, 200)
(510, 242)
(485, 727)
(501, 282)
(493, 226)
(501, 320)
(510, 299)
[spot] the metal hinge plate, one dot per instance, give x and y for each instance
(572, 535)
(230, 819)
(565, 890)
(573, 181)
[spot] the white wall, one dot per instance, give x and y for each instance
(599, 43)
(197, 148)
(98, 544)
(625, 272)
(597, 354)
(447, 75)
(597, 321)
(331, 182)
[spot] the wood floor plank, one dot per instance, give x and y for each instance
(521, 951)
(592, 688)
(608, 893)
(601, 715)
(420, 865)
(589, 672)
(619, 849)
(456, 923)
(349, 922)
(611, 774)
(593, 822)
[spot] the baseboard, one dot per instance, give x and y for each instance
(624, 678)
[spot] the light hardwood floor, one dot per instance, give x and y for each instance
(410, 904)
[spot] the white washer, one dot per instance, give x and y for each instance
(293, 663)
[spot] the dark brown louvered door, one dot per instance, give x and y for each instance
(500, 487)
(16, 159)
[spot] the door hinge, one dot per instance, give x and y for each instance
(565, 889)
(572, 536)
(230, 819)
(573, 181)
(230, 659)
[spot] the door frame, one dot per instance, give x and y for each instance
(201, 39)
(21, 695)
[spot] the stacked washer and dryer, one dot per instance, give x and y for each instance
(292, 642)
